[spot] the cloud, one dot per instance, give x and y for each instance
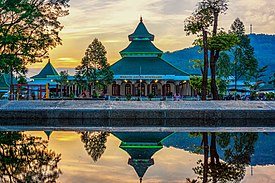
(112, 21)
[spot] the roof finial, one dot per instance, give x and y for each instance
(140, 179)
(49, 61)
(141, 19)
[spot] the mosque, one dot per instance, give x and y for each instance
(141, 71)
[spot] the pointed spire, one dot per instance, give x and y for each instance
(141, 32)
(49, 60)
(48, 133)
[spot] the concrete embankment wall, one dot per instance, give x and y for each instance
(138, 113)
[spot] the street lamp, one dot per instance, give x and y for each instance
(140, 89)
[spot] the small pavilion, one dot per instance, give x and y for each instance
(47, 75)
(141, 70)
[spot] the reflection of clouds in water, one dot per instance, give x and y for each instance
(263, 174)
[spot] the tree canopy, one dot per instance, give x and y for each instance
(28, 30)
(94, 68)
(25, 158)
(94, 143)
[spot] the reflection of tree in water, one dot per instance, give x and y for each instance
(26, 158)
(94, 143)
(238, 149)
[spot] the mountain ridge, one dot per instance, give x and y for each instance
(264, 49)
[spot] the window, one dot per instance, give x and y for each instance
(115, 90)
(137, 90)
(168, 88)
(128, 89)
(154, 88)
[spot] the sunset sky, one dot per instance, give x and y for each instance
(171, 164)
(111, 21)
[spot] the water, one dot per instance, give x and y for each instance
(129, 156)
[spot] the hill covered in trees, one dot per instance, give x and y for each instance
(264, 47)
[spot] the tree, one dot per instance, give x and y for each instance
(272, 80)
(94, 67)
(198, 24)
(94, 143)
(219, 41)
(196, 83)
(26, 158)
(238, 149)
(28, 29)
(63, 80)
(22, 80)
(205, 16)
(255, 77)
(244, 64)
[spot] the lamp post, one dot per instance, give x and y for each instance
(235, 80)
(140, 80)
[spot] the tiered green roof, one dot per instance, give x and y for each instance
(142, 54)
(141, 33)
(141, 46)
(145, 65)
(48, 70)
(141, 146)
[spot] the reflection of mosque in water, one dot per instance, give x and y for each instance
(141, 146)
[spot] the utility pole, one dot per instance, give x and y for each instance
(251, 29)
(235, 73)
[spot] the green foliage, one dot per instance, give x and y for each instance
(169, 94)
(63, 80)
(196, 83)
(272, 79)
(264, 46)
(128, 97)
(197, 64)
(224, 66)
(150, 96)
(28, 29)
(238, 27)
(270, 96)
(222, 172)
(63, 77)
(94, 68)
(256, 77)
(94, 143)
(26, 158)
(22, 80)
(200, 21)
(238, 147)
(245, 63)
(223, 41)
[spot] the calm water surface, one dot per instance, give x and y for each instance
(150, 157)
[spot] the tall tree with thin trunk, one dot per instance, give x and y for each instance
(198, 24)
(216, 7)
